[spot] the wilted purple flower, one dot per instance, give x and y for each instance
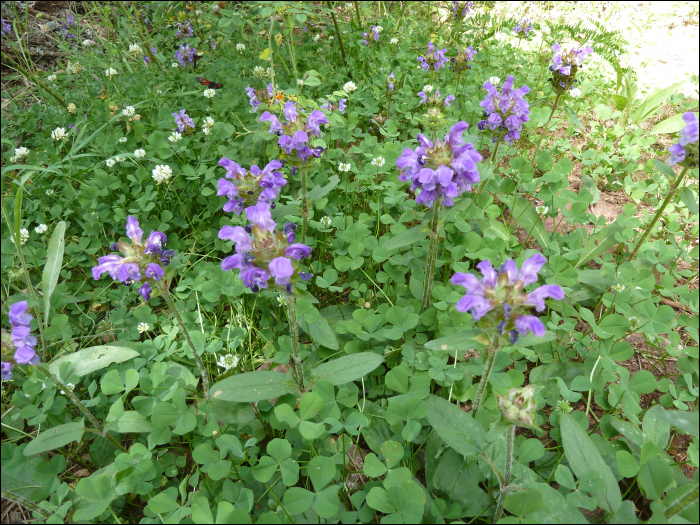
(146, 60)
(294, 135)
(685, 152)
(435, 58)
(461, 61)
(243, 189)
(506, 111)
(523, 28)
(461, 9)
(444, 168)
(142, 260)
(213, 44)
(497, 302)
(263, 251)
(183, 121)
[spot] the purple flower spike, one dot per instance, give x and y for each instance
(685, 152)
(21, 343)
(506, 111)
(497, 303)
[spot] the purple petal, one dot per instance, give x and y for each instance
(17, 314)
(536, 298)
(476, 305)
(260, 215)
(238, 235)
(145, 291)
(298, 251)
(469, 281)
(490, 277)
(530, 323)
(281, 269)
(530, 268)
(133, 231)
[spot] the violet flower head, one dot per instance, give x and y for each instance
(444, 169)
(184, 123)
(460, 62)
(390, 82)
(565, 66)
(685, 152)
(186, 52)
(141, 260)
(523, 28)
(245, 189)
(6, 28)
(434, 58)
(252, 96)
(505, 112)
(19, 346)
(461, 9)
(294, 134)
(263, 251)
(496, 300)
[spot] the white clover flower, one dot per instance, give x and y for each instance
(634, 322)
(162, 173)
(300, 82)
(110, 72)
(175, 136)
(69, 386)
(143, 328)
(95, 215)
(135, 49)
(378, 161)
(119, 159)
(88, 43)
(378, 29)
(209, 93)
(282, 300)
(394, 41)
(159, 91)
(228, 361)
(14, 159)
(49, 193)
(59, 134)
(123, 139)
(21, 152)
(72, 109)
(260, 72)
(42, 228)
(23, 237)
(174, 65)
(216, 8)
(129, 111)
(428, 88)
(330, 37)
(140, 153)
(344, 167)
(207, 124)
(617, 287)
(494, 81)
(326, 221)
(74, 68)
(542, 209)
(317, 38)
(576, 92)
(110, 162)
(51, 78)
(240, 47)
(349, 87)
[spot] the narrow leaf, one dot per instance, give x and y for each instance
(253, 386)
(348, 368)
(457, 428)
(55, 437)
(52, 270)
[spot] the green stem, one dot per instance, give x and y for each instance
(510, 438)
(357, 14)
(24, 502)
(71, 395)
(494, 160)
(32, 290)
(490, 357)
(398, 22)
(294, 329)
(671, 191)
(544, 131)
(33, 78)
(340, 38)
(291, 46)
(304, 202)
(432, 254)
(183, 328)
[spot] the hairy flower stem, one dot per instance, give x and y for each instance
(544, 131)
(494, 160)
(33, 78)
(432, 254)
(340, 39)
(197, 358)
(304, 202)
(671, 191)
(294, 329)
(510, 438)
(71, 395)
(357, 14)
(490, 357)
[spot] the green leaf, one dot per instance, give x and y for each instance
(683, 502)
(555, 507)
(298, 500)
(94, 358)
(407, 237)
(55, 437)
(97, 493)
(321, 471)
(253, 386)
(162, 503)
(573, 118)
(685, 422)
(524, 213)
(654, 101)
(462, 341)
(523, 502)
(671, 125)
(564, 477)
(530, 450)
(204, 454)
(201, 513)
(689, 199)
(655, 477)
(310, 430)
(458, 429)
(310, 405)
(112, 383)
(393, 453)
(584, 456)
(626, 464)
(129, 421)
(279, 449)
(599, 243)
(52, 270)
(348, 368)
(373, 467)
